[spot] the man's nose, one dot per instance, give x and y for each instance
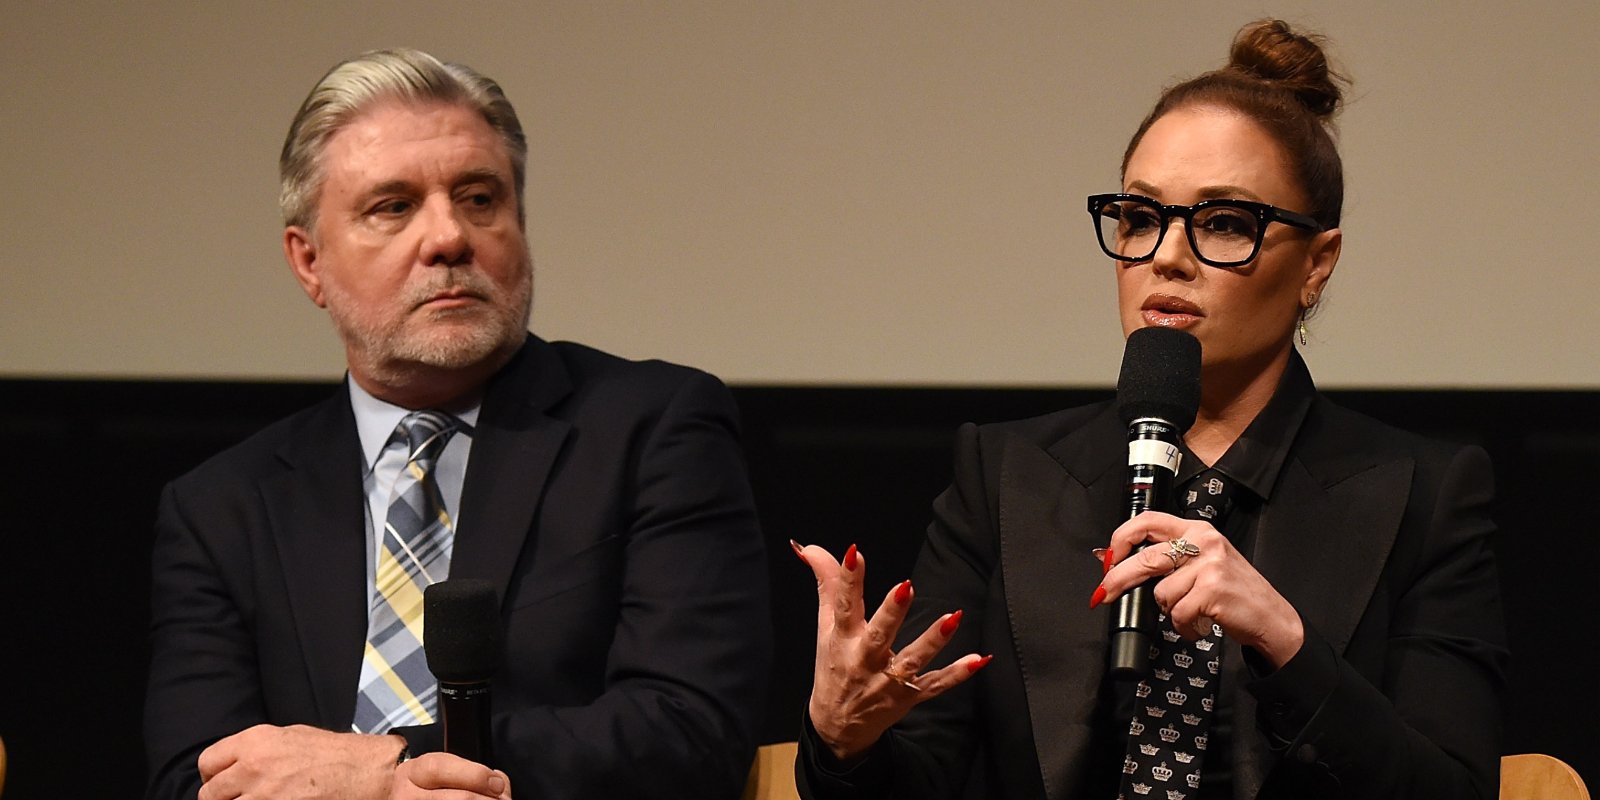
(444, 234)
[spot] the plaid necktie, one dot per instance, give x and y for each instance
(1171, 723)
(396, 688)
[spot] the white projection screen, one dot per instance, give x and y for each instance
(805, 193)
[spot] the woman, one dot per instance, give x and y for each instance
(1349, 577)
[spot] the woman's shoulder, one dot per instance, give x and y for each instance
(1046, 430)
(1347, 440)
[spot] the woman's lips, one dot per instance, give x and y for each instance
(1168, 311)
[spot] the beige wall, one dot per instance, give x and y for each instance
(834, 192)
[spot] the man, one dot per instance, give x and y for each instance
(606, 500)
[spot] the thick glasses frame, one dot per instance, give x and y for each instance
(1264, 214)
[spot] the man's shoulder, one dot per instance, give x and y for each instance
(262, 451)
(599, 376)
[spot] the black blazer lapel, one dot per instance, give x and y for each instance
(1323, 541)
(514, 449)
(314, 508)
(1054, 508)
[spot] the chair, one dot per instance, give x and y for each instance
(772, 774)
(1534, 776)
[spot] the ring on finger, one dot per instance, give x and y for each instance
(1180, 551)
(893, 673)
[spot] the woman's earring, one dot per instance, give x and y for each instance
(1311, 300)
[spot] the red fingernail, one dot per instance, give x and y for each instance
(850, 559)
(979, 664)
(950, 623)
(1098, 598)
(1109, 554)
(799, 551)
(902, 593)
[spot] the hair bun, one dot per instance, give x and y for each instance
(1270, 50)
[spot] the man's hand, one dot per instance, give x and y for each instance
(420, 777)
(299, 763)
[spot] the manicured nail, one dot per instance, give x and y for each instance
(950, 623)
(1109, 554)
(902, 593)
(1099, 597)
(850, 559)
(979, 664)
(799, 551)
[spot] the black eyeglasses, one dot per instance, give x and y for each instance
(1222, 233)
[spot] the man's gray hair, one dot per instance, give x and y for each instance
(355, 86)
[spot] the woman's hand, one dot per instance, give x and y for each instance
(861, 686)
(1217, 585)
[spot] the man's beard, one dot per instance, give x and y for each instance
(388, 350)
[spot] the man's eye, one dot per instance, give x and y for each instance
(392, 207)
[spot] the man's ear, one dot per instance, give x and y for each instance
(300, 250)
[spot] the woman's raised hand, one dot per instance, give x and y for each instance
(861, 686)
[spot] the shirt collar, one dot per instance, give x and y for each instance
(376, 420)
(1254, 461)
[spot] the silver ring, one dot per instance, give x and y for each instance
(1180, 550)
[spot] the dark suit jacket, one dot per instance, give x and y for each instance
(1379, 538)
(606, 499)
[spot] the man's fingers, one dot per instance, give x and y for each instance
(435, 771)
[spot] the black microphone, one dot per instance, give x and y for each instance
(461, 639)
(1158, 395)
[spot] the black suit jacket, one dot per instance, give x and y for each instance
(606, 499)
(1377, 537)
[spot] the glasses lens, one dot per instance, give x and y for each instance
(1225, 234)
(1129, 228)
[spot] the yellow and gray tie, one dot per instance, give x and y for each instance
(396, 688)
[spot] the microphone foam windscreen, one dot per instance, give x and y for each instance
(461, 630)
(1160, 377)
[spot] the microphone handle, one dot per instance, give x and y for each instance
(1153, 457)
(464, 708)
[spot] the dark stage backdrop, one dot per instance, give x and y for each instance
(84, 460)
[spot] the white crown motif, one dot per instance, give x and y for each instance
(1208, 703)
(1216, 630)
(1168, 734)
(1201, 741)
(1198, 682)
(1163, 674)
(1155, 711)
(1129, 765)
(1143, 690)
(1176, 697)
(1140, 788)
(1174, 794)
(1155, 652)
(1161, 773)
(1171, 636)
(1214, 486)
(1183, 659)
(1137, 728)
(1191, 719)
(1204, 645)
(1193, 779)
(1183, 758)
(1149, 749)
(1213, 665)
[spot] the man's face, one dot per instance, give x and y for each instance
(417, 251)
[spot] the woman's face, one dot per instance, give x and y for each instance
(1244, 316)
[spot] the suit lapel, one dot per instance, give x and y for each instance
(314, 508)
(1054, 507)
(1322, 542)
(513, 450)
